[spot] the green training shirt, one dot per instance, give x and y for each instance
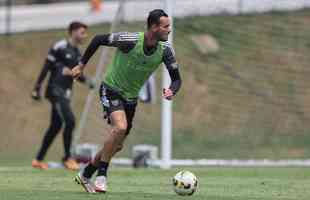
(129, 71)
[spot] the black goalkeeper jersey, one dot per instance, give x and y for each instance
(60, 56)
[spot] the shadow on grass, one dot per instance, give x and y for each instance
(35, 194)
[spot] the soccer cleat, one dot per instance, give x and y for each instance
(101, 184)
(39, 164)
(85, 183)
(71, 164)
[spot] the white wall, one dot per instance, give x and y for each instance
(41, 17)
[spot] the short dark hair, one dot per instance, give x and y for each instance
(154, 17)
(76, 25)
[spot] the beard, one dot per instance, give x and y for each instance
(163, 38)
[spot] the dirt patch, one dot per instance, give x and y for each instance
(206, 43)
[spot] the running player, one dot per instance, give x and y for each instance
(62, 56)
(138, 56)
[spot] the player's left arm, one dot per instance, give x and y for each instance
(173, 69)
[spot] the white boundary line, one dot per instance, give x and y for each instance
(223, 163)
(125, 162)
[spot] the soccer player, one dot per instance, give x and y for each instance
(62, 56)
(138, 55)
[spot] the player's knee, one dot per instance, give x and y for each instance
(119, 147)
(70, 123)
(128, 128)
(120, 128)
(56, 126)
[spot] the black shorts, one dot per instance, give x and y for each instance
(111, 101)
(60, 100)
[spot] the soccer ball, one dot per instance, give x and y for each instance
(185, 183)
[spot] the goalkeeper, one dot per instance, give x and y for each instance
(63, 56)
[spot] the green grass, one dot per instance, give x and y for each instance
(25, 183)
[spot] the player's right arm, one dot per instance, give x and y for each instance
(48, 65)
(122, 40)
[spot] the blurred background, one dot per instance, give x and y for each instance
(29, 2)
(244, 65)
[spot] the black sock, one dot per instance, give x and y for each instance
(103, 168)
(89, 170)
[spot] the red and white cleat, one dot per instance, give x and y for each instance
(101, 184)
(85, 183)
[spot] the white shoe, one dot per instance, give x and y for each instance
(85, 182)
(101, 184)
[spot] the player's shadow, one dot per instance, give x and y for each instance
(140, 195)
(36, 194)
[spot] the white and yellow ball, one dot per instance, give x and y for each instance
(185, 183)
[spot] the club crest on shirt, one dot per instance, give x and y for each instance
(115, 102)
(68, 56)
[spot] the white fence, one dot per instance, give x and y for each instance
(50, 16)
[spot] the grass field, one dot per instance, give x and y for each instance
(25, 183)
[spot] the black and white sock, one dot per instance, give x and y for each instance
(103, 168)
(89, 170)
